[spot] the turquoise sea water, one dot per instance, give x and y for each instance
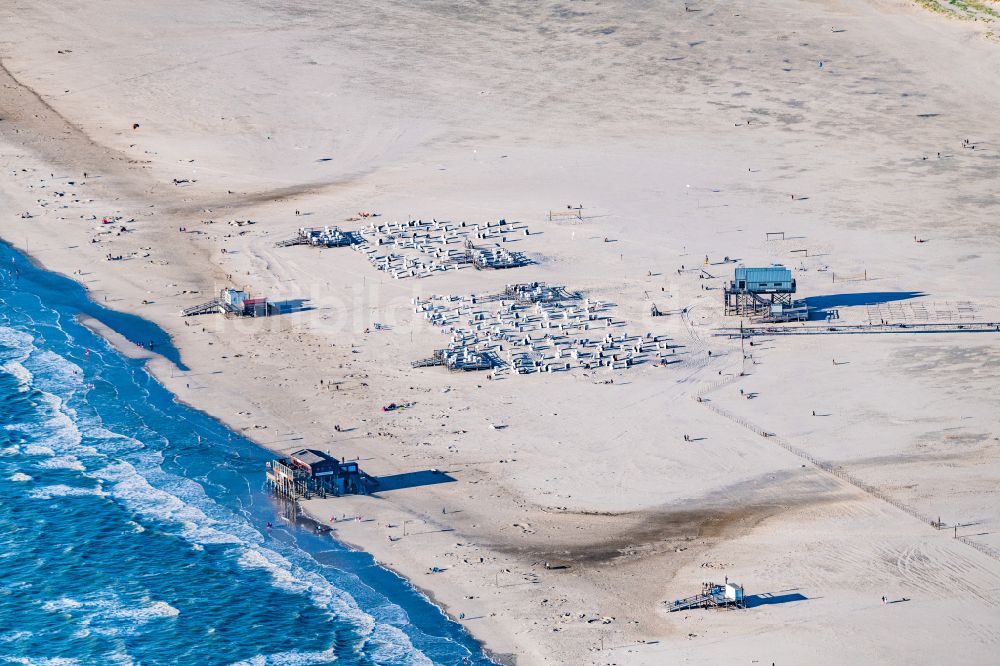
(133, 530)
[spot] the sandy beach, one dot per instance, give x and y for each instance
(556, 514)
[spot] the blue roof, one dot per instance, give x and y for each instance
(759, 275)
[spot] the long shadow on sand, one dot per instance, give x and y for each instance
(426, 477)
(819, 306)
(769, 599)
(292, 305)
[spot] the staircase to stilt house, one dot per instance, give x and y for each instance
(211, 307)
(697, 601)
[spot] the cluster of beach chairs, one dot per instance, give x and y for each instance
(419, 248)
(321, 237)
(558, 332)
(495, 257)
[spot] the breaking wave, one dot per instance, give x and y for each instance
(157, 551)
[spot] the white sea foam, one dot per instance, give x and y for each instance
(52, 372)
(129, 485)
(288, 576)
(289, 659)
(121, 658)
(107, 614)
(61, 490)
(389, 645)
(62, 462)
(18, 343)
(40, 661)
(385, 643)
(276, 565)
(61, 604)
(59, 429)
(144, 487)
(390, 613)
(52, 431)
(391, 654)
(37, 450)
(19, 476)
(20, 373)
(131, 488)
(106, 442)
(143, 614)
(205, 520)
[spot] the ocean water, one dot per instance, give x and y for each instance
(133, 530)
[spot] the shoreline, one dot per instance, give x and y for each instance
(127, 348)
(158, 365)
(305, 517)
(119, 341)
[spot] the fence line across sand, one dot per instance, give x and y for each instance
(981, 547)
(830, 468)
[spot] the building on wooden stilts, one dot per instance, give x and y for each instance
(310, 473)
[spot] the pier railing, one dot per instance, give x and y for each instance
(293, 483)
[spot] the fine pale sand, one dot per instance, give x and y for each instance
(856, 128)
